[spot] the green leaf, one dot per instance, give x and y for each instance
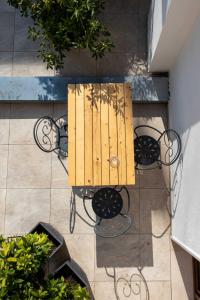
(11, 259)
(5, 248)
(62, 25)
(3, 283)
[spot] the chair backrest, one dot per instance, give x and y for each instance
(51, 135)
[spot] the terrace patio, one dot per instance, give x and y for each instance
(33, 188)
(144, 262)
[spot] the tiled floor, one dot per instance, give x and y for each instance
(18, 55)
(33, 187)
(143, 264)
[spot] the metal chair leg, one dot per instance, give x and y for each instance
(74, 212)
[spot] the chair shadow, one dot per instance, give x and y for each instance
(131, 252)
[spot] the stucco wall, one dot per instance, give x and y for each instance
(170, 24)
(184, 114)
(157, 17)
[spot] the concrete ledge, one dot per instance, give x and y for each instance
(45, 89)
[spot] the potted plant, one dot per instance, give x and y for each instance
(72, 272)
(21, 263)
(59, 253)
(21, 275)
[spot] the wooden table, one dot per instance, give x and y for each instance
(100, 135)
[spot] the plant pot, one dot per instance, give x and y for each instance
(60, 253)
(72, 272)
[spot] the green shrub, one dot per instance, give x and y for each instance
(61, 25)
(21, 260)
(21, 274)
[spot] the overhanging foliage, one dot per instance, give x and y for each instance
(61, 25)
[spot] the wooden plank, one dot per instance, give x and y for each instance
(88, 135)
(100, 128)
(72, 133)
(113, 133)
(129, 135)
(80, 159)
(121, 134)
(96, 135)
(105, 168)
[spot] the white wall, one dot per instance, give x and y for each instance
(184, 114)
(169, 26)
(157, 16)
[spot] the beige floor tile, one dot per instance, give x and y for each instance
(134, 211)
(4, 123)
(181, 274)
(81, 249)
(78, 63)
(153, 115)
(107, 291)
(59, 217)
(25, 208)
(137, 180)
(60, 212)
(121, 253)
(128, 290)
(125, 36)
(60, 115)
(6, 63)
(155, 257)
(28, 64)
(154, 214)
(5, 7)
(154, 179)
(106, 274)
(59, 110)
(3, 165)
(21, 41)
(92, 286)
(59, 172)
(127, 64)
(127, 7)
(157, 290)
(23, 119)
(28, 167)
(2, 209)
(104, 290)
(7, 20)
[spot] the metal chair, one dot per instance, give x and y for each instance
(112, 219)
(151, 152)
(51, 135)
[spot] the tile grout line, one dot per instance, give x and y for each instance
(170, 209)
(139, 226)
(171, 270)
(13, 50)
(4, 229)
(52, 112)
(139, 189)
(50, 191)
(140, 233)
(94, 236)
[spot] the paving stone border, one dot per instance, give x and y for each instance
(50, 89)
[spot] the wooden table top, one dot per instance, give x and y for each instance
(100, 135)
